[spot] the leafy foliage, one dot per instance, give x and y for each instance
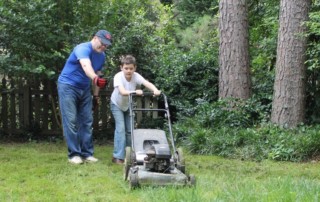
(31, 45)
(313, 70)
(140, 35)
(190, 72)
(244, 114)
(243, 132)
(37, 36)
(263, 23)
(188, 11)
(265, 142)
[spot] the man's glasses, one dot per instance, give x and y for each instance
(102, 44)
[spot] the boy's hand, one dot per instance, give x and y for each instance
(139, 92)
(157, 92)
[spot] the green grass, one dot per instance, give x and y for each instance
(40, 172)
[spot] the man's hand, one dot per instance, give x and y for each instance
(95, 102)
(100, 82)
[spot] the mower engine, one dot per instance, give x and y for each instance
(158, 158)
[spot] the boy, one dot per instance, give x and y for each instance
(124, 83)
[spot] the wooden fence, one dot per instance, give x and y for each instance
(32, 107)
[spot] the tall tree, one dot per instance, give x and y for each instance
(234, 74)
(288, 105)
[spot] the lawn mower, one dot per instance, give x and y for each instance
(153, 159)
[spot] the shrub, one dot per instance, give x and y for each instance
(218, 114)
(203, 134)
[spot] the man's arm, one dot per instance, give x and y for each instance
(87, 68)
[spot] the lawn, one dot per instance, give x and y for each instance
(40, 172)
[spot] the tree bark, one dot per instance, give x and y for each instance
(288, 105)
(234, 74)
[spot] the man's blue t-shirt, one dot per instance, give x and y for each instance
(73, 73)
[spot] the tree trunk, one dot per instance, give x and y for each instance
(234, 74)
(288, 105)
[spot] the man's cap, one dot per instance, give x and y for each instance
(105, 37)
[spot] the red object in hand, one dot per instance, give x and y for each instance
(100, 82)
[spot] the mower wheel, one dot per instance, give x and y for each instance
(192, 180)
(133, 178)
(127, 163)
(180, 161)
(133, 157)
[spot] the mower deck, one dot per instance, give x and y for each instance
(140, 177)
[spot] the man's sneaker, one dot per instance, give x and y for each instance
(90, 159)
(75, 160)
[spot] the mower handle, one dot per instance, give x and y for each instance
(145, 93)
(148, 93)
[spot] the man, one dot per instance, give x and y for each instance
(82, 68)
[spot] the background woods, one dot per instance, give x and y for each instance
(262, 55)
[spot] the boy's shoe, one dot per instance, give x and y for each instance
(117, 161)
(90, 159)
(75, 160)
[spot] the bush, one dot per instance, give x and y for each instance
(219, 114)
(213, 131)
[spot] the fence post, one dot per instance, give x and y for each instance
(27, 106)
(4, 104)
(12, 106)
(45, 106)
(155, 106)
(139, 113)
